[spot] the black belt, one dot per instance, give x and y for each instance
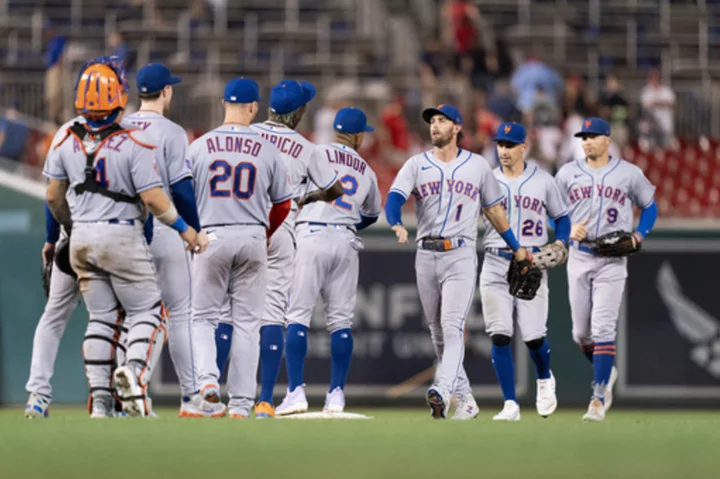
(441, 244)
(219, 225)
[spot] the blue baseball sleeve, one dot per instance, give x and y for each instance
(52, 227)
(393, 208)
(647, 219)
(183, 196)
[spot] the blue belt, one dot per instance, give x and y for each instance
(583, 246)
(441, 244)
(115, 222)
(507, 253)
(329, 225)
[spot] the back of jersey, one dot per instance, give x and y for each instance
(237, 175)
(360, 189)
(124, 163)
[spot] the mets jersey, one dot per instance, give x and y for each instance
(237, 174)
(303, 161)
(448, 196)
(361, 194)
(124, 163)
(529, 199)
(604, 195)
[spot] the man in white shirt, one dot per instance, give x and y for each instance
(659, 101)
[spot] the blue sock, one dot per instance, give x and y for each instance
(223, 341)
(603, 359)
(295, 352)
(587, 350)
(541, 358)
(504, 370)
(271, 349)
(341, 348)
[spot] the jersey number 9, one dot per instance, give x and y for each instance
(243, 179)
(350, 186)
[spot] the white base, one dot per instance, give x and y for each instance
(325, 415)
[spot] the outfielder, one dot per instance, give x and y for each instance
(172, 262)
(450, 186)
(531, 195)
(327, 262)
(237, 174)
(104, 214)
(601, 191)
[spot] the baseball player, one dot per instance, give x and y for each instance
(238, 173)
(104, 213)
(450, 186)
(155, 86)
(600, 191)
(531, 195)
(327, 262)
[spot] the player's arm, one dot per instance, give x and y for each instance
(401, 188)
(642, 194)
(280, 195)
(57, 202)
(331, 194)
(491, 197)
(52, 233)
(181, 184)
(324, 177)
(157, 202)
(371, 207)
(558, 212)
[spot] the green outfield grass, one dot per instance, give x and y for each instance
(395, 444)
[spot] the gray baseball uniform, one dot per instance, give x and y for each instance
(448, 199)
(529, 199)
(110, 255)
(172, 261)
(327, 261)
(237, 175)
(604, 196)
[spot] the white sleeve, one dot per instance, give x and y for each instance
(319, 170)
(372, 205)
(555, 204)
(280, 189)
(642, 192)
(406, 178)
(176, 157)
(490, 192)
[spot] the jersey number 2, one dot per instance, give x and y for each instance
(347, 191)
(243, 179)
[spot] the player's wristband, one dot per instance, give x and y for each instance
(179, 225)
(510, 239)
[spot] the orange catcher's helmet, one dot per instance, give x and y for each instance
(100, 90)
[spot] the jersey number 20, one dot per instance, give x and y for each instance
(243, 179)
(350, 186)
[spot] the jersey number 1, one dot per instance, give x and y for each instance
(101, 173)
(243, 181)
(347, 191)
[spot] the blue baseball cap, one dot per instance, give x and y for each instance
(594, 126)
(154, 77)
(242, 90)
(289, 95)
(452, 113)
(511, 132)
(351, 120)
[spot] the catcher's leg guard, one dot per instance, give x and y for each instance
(146, 337)
(99, 352)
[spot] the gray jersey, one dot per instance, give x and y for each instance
(361, 194)
(448, 196)
(604, 195)
(529, 199)
(237, 174)
(124, 163)
(303, 160)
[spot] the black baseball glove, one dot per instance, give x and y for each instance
(616, 244)
(523, 278)
(46, 275)
(62, 257)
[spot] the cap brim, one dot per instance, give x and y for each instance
(428, 113)
(309, 89)
(508, 140)
(174, 80)
(589, 133)
(369, 129)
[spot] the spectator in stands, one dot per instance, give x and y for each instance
(395, 134)
(615, 108)
(658, 102)
(432, 67)
(577, 98)
(531, 76)
(462, 28)
(120, 48)
(13, 134)
(484, 125)
(545, 121)
(54, 51)
(201, 15)
(502, 103)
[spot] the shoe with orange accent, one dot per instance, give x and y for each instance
(264, 410)
(197, 407)
(596, 411)
(239, 414)
(211, 393)
(129, 390)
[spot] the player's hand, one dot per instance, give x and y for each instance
(579, 231)
(202, 242)
(523, 254)
(48, 253)
(191, 238)
(401, 233)
(637, 238)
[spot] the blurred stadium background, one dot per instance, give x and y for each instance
(649, 66)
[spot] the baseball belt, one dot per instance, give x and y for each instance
(441, 244)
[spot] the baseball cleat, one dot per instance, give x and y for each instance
(437, 402)
(609, 388)
(197, 407)
(466, 408)
(510, 412)
(334, 401)
(37, 406)
(264, 410)
(596, 411)
(211, 393)
(238, 414)
(103, 407)
(545, 399)
(130, 392)
(295, 402)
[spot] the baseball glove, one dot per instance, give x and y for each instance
(46, 275)
(524, 279)
(616, 244)
(549, 256)
(62, 257)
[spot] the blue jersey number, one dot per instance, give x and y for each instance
(530, 228)
(612, 215)
(101, 173)
(350, 187)
(243, 185)
(458, 212)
